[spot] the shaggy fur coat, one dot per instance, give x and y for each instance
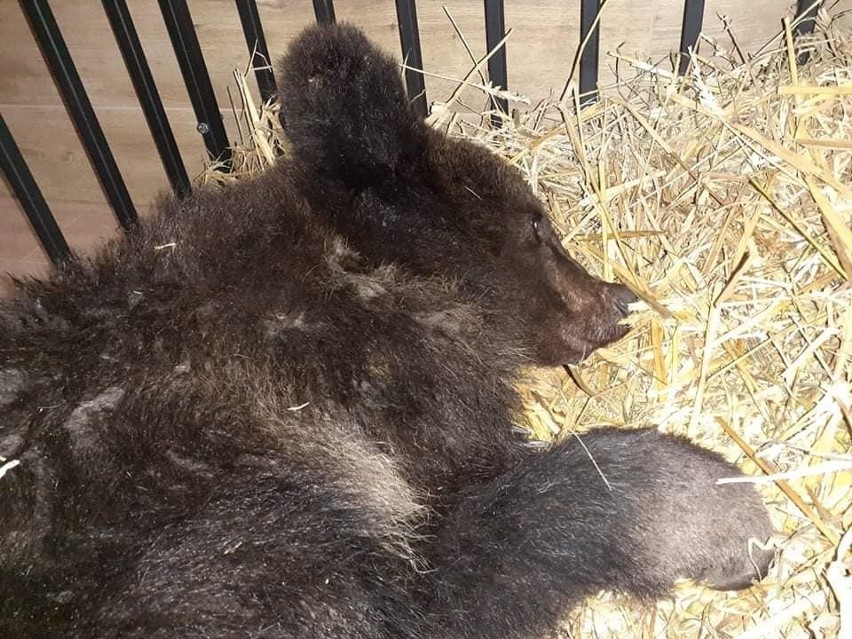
(284, 408)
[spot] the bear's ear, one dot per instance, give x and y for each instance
(346, 110)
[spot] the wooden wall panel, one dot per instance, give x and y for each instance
(23, 75)
(444, 53)
(84, 26)
(52, 150)
(217, 26)
(752, 28)
(640, 30)
(282, 21)
(629, 25)
(542, 45)
(61, 167)
(375, 17)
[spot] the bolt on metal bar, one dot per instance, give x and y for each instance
(29, 195)
(495, 30)
(191, 61)
(146, 91)
(409, 38)
(693, 20)
(256, 42)
(79, 106)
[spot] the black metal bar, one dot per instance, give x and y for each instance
(693, 20)
(324, 11)
(806, 13)
(589, 10)
(409, 39)
(29, 195)
(191, 61)
(256, 41)
(495, 30)
(146, 91)
(80, 108)
(807, 10)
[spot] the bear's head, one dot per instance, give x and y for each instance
(401, 192)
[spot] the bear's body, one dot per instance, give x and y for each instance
(284, 409)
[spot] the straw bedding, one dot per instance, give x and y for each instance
(724, 200)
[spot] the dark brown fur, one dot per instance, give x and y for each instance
(283, 409)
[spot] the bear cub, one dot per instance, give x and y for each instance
(284, 408)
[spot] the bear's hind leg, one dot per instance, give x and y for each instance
(513, 558)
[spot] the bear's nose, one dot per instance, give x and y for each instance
(622, 297)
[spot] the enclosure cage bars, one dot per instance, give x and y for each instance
(495, 31)
(178, 21)
(259, 52)
(29, 195)
(146, 91)
(190, 59)
(80, 110)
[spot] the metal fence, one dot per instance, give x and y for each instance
(178, 22)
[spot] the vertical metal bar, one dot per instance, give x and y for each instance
(409, 39)
(80, 108)
(693, 20)
(29, 195)
(256, 41)
(806, 13)
(324, 11)
(146, 91)
(495, 29)
(191, 61)
(589, 10)
(807, 10)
